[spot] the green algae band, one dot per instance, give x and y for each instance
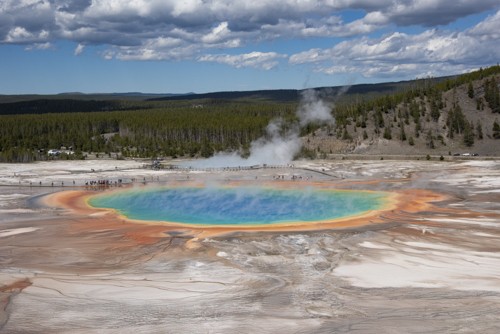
(238, 205)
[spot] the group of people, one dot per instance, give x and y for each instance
(293, 177)
(103, 183)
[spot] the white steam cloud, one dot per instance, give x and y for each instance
(277, 147)
(313, 109)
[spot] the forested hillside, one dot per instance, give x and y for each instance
(427, 116)
(174, 130)
(453, 116)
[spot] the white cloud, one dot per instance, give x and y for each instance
(79, 49)
(432, 52)
(136, 17)
(488, 29)
(310, 56)
(217, 34)
(260, 60)
(189, 29)
(435, 12)
(323, 27)
(150, 52)
(39, 46)
(18, 34)
(21, 35)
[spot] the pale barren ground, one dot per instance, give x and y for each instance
(434, 271)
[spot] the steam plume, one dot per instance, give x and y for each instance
(313, 109)
(277, 147)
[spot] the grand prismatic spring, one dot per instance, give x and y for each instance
(238, 206)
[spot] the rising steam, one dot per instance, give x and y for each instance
(277, 147)
(313, 109)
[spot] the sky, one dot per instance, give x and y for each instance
(180, 46)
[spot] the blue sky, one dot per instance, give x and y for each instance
(177, 46)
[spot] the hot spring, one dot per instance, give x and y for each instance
(238, 206)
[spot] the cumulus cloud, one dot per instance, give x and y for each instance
(22, 35)
(217, 34)
(260, 60)
(431, 13)
(488, 29)
(432, 52)
(193, 29)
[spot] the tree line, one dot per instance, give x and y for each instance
(175, 130)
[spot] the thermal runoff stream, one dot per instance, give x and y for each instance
(240, 206)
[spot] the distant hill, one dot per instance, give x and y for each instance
(276, 95)
(128, 96)
(44, 106)
(293, 95)
(80, 102)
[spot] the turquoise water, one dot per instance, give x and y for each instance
(238, 205)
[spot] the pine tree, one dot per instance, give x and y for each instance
(435, 112)
(418, 127)
(379, 119)
(468, 134)
(496, 130)
(479, 130)
(456, 121)
(479, 104)
(402, 134)
(470, 90)
(492, 95)
(430, 140)
(387, 133)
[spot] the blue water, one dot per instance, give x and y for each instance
(238, 205)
